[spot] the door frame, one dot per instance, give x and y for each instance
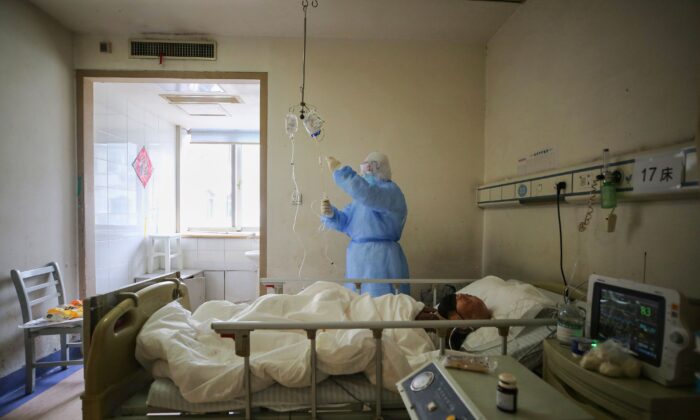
(85, 155)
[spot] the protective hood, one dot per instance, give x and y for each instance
(377, 164)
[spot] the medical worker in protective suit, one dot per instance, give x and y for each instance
(373, 220)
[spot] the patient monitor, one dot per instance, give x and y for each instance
(655, 323)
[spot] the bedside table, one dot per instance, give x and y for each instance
(607, 397)
(461, 395)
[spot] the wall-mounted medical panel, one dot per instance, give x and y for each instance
(495, 194)
(690, 177)
(547, 187)
(508, 192)
(679, 161)
(584, 180)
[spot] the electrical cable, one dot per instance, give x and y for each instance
(561, 242)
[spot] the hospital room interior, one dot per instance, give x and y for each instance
(397, 209)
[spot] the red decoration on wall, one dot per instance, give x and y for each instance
(143, 166)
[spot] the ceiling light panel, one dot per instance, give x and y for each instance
(192, 87)
(202, 99)
(203, 110)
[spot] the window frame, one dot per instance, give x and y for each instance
(84, 80)
(236, 164)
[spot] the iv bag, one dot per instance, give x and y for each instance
(313, 124)
(292, 124)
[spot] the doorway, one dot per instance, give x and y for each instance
(168, 152)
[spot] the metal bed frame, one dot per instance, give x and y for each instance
(113, 321)
(240, 332)
(278, 283)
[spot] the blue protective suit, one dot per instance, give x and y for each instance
(374, 221)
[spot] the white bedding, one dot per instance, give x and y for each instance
(205, 368)
(510, 299)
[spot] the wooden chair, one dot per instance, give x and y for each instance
(53, 290)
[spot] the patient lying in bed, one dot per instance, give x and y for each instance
(182, 346)
(456, 306)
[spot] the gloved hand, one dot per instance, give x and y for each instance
(326, 208)
(333, 163)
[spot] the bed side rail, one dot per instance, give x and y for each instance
(240, 332)
(575, 293)
(112, 373)
(277, 283)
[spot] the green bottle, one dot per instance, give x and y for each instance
(608, 195)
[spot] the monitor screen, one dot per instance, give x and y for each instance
(634, 318)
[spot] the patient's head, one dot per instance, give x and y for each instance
(463, 306)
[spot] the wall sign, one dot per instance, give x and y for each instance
(143, 166)
(658, 173)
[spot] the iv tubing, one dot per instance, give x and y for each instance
(321, 227)
(296, 212)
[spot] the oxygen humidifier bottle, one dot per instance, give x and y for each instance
(608, 194)
(608, 191)
(570, 320)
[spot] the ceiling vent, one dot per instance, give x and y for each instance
(188, 50)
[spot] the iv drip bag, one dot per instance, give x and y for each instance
(313, 124)
(292, 124)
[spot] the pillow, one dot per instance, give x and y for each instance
(510, 299)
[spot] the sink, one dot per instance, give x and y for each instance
(253, 256)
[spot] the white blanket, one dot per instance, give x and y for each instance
(204, 366)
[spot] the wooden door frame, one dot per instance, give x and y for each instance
(85, 154)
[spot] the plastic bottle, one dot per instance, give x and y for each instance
(570, 320)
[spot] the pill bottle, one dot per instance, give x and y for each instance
(507, 393)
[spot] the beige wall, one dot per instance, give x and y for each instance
(582, 76)
(419, 102)
(37, 161)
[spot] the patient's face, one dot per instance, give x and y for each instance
(471, 307)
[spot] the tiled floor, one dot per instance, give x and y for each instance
(61, 401)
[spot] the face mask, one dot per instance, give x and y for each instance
(370, 178)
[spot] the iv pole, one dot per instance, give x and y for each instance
(302, 104)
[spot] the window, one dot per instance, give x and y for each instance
(220, 187)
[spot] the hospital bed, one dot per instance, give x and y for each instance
(525, 346)
(117, 386)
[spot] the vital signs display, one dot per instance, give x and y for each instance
(634, 318)
(655, 323)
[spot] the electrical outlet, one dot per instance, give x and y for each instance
(548, 186)
(296, 198)
(584, 180)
